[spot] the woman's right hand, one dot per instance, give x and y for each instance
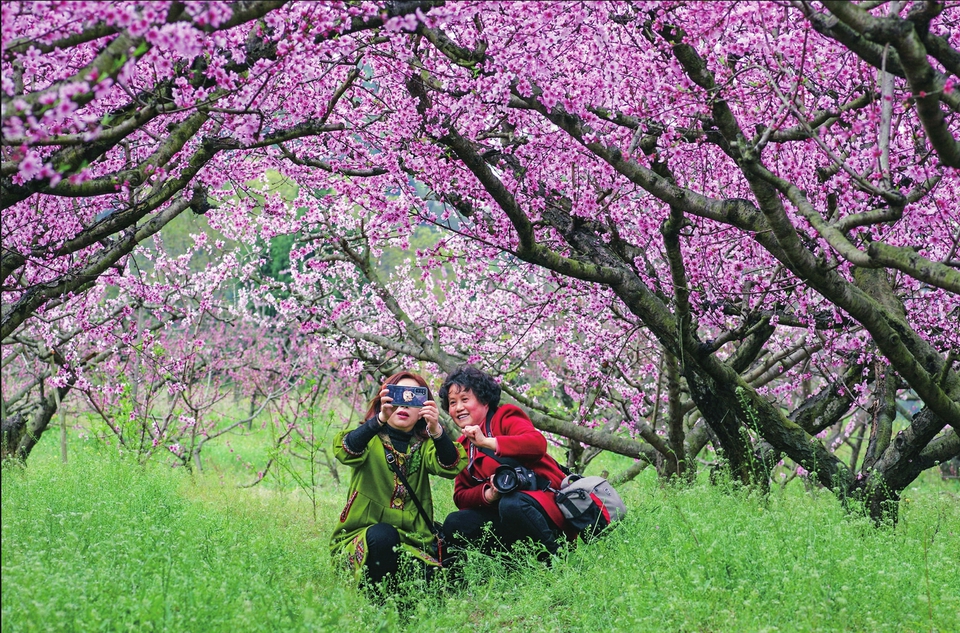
(386, 406)
(490, 494)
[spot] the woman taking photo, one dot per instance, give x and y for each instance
(392, 455)
(496, 435)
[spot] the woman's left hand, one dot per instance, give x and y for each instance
(431, 415)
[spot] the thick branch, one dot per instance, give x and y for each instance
(873, 53)
(80, 279)
(923, 79)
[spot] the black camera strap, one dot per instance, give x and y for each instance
(392, 463)
(542, 482)
(502, 459)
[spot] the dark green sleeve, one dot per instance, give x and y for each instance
(447, 453)
(356, 440)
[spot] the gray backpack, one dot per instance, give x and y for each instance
(589, 504)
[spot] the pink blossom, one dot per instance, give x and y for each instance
(31, 165)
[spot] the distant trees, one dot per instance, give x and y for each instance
(667, 226)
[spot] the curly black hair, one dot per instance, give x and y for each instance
(482, 384)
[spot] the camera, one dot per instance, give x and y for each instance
(507, 479)
(407, 396)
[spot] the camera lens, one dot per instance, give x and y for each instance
(505, 480)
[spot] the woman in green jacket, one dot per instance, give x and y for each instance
(381, 519)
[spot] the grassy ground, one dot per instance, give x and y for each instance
(102, 544)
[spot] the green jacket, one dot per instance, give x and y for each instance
(376, 495)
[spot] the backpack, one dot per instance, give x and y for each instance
(589, 504)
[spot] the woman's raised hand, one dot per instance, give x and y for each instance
(431, 414)
(475, 434)
(386, 406)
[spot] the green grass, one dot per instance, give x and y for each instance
(102, 544)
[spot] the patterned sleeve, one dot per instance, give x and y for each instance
(443, 468)
(350, 447)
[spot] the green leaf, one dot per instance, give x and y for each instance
(119, 62)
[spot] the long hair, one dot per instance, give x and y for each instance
(374, 409)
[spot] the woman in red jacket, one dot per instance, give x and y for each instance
(494, 434)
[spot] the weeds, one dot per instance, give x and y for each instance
(106, 544)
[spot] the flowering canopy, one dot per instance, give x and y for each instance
(745, 210)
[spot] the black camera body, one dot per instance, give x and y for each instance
(507, 479)
(407, 396)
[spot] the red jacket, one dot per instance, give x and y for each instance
(516, 438)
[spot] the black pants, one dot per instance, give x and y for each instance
(516, 517)
(383, 558)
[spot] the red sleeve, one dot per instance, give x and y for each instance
(467, 493)
(516, 435)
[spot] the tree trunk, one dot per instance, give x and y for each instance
(21, 434)
(735, 447)
(13, 428)
(912, 451)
